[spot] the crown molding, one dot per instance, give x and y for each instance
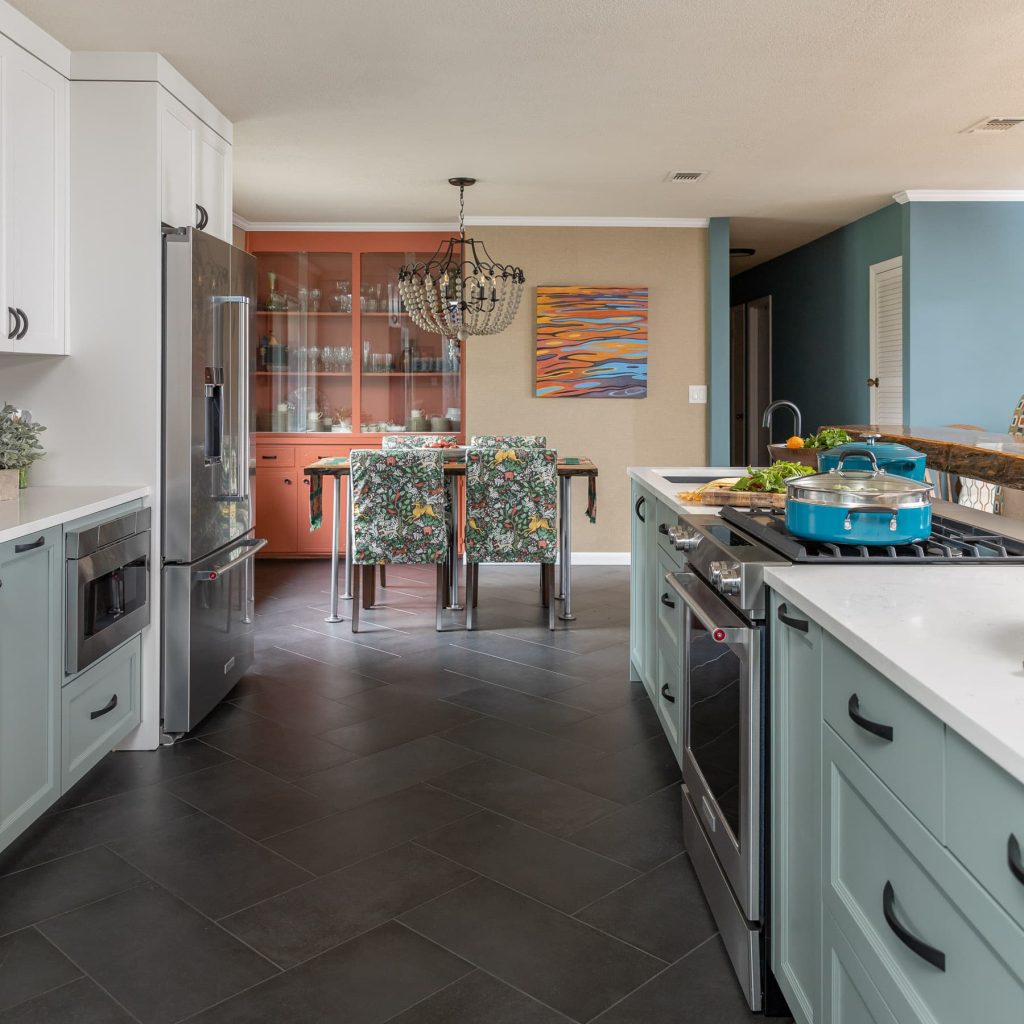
(960, 195)
(480, 221)
(588, 222)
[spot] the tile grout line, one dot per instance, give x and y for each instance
(525, 693)
(642, 875)
(521, 664)
(86, 976)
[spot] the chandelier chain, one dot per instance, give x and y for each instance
(462, 212)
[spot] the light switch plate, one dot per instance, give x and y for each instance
(698, 394)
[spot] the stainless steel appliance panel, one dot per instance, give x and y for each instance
(208, 631)
(722, 684)
(107, 599)
(209, 302)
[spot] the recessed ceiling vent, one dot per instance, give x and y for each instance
(687, 176)
(993, 125)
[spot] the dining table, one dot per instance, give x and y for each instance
(337, 469)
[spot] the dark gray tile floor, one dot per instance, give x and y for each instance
(396, 826)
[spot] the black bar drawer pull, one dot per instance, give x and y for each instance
(784, 617)
(668, 696)
(19, 548)
(663, 528)
(934, 956)
(110, 705)
(268, 457)
(667, 601)
(640, 502)
(1014, 858)
(876, 728)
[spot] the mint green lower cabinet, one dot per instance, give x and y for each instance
(30, 675)
(669, 698)
(643, 558)
(796, 711)
(849, 997)
(971, 964)
(100, 708)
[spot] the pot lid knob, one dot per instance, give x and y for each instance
(870, 438)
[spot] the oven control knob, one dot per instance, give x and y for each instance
(729, 580)
(715, 573)
(684, 538)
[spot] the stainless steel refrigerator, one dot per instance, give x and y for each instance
(208, 541)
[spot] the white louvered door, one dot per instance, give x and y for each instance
(885, 382)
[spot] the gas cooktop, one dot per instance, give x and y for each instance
(951, 541)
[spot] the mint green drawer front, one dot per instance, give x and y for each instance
(985, 822)
(872, 841)
(100, 708)
(850, 995)
(668, 698)
(670, 614)
(911, 763)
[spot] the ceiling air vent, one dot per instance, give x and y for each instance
(993, 124)
(686, 175)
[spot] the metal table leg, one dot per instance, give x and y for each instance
(350, 538)
(335, 530)
(453, 546)
(560, 576)
(566, 516)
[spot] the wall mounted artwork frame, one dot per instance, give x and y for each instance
(591, 341)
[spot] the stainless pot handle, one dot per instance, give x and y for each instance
(883, 510)
(863, 452)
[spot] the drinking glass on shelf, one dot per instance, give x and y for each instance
(314, 300)
(389, 362)
(327, 358)
(340, 297)
(366, 354)
(314, 357)
(378, 301)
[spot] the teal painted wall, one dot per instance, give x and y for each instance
(820, 317)
(962, 318)
(718, 341)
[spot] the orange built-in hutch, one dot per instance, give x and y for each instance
(356, 361)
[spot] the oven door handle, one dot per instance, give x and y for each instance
(252, 548)
(721, 622)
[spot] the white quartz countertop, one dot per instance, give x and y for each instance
(951, 637)
(655, 479)
(39, 508)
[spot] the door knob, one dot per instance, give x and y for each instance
(872, 382)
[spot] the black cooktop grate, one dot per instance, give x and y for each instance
(950, 541)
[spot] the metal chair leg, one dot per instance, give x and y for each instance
(357, 580)
(472, 575)
(439, 601)
(549, 576)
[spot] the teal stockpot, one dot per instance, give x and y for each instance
(895, 459)
(858, 507)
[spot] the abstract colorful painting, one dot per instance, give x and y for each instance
(591, 342)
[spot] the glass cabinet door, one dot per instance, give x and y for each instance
(302, 360)
(410, 380)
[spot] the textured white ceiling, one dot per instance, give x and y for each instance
(806, 113)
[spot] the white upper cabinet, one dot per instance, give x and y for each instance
(195, 171)
(34, 185)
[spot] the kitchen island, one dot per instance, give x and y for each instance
(959, 451)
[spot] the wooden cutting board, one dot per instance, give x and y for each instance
(741, 499)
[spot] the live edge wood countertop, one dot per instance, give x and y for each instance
(997, 458)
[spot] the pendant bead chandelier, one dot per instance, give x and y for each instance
(460, 291)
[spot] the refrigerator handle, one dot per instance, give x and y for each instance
(242, 455)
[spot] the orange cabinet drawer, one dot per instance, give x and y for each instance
(274, 456)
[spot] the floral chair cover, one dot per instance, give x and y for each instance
(413, 440)
(511, 505)
(398, 507)
(508, 441)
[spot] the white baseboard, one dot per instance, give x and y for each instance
(600, 558)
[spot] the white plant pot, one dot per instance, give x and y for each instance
(8, 484)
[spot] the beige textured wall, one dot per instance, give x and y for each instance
(659, 430)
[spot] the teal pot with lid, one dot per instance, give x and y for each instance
(858, 507)
(870, 453)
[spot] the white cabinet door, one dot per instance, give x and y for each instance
(213, 181)
(177, 141)
(34, 171)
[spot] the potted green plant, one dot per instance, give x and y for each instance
(19, 448)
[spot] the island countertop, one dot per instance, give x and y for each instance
(961, 451)
(38, 508)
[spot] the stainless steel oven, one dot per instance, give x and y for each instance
(723, 657)
(107, 587)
